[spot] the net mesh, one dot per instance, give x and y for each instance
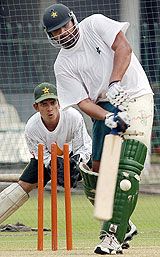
(26, 59)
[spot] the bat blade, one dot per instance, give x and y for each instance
(107, 178)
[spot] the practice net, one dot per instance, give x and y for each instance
(27, 58)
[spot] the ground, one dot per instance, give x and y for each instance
(132, 252)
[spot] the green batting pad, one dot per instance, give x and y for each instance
(89, 182)
(132, 160)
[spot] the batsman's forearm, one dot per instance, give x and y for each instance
(92, 109)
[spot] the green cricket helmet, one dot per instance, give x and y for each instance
(55, 17)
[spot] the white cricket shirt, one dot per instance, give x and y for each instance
(71, 129)
(84, 70)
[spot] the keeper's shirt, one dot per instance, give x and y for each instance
(71, 129)
(84, 70)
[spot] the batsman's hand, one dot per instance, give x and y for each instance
(117, 96)
(109, 121)
(121, 121)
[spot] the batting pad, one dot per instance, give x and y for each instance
(11, 198)
(132, 160)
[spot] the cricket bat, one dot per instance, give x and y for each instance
(106, 184)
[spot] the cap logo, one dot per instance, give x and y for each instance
(45, 90)
(54, 14)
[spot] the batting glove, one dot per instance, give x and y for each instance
(117, 96)
(109, 120)
(121, 121)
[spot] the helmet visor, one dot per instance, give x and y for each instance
(66, 39)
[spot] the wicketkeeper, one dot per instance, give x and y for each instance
(48, 125)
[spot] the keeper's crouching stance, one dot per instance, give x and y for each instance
(117, 231)
(57, 126)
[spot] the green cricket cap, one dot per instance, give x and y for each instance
(44, 91)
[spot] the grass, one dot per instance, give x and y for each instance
(155, 158)
(85, 227)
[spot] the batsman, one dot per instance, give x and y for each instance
(97, 70)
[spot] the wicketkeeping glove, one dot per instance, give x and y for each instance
(117, 96)
(74, 171)
(121, 121)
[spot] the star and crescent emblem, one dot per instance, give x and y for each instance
(45, 90)
(54, 14)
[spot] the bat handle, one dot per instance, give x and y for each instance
(114, 131)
